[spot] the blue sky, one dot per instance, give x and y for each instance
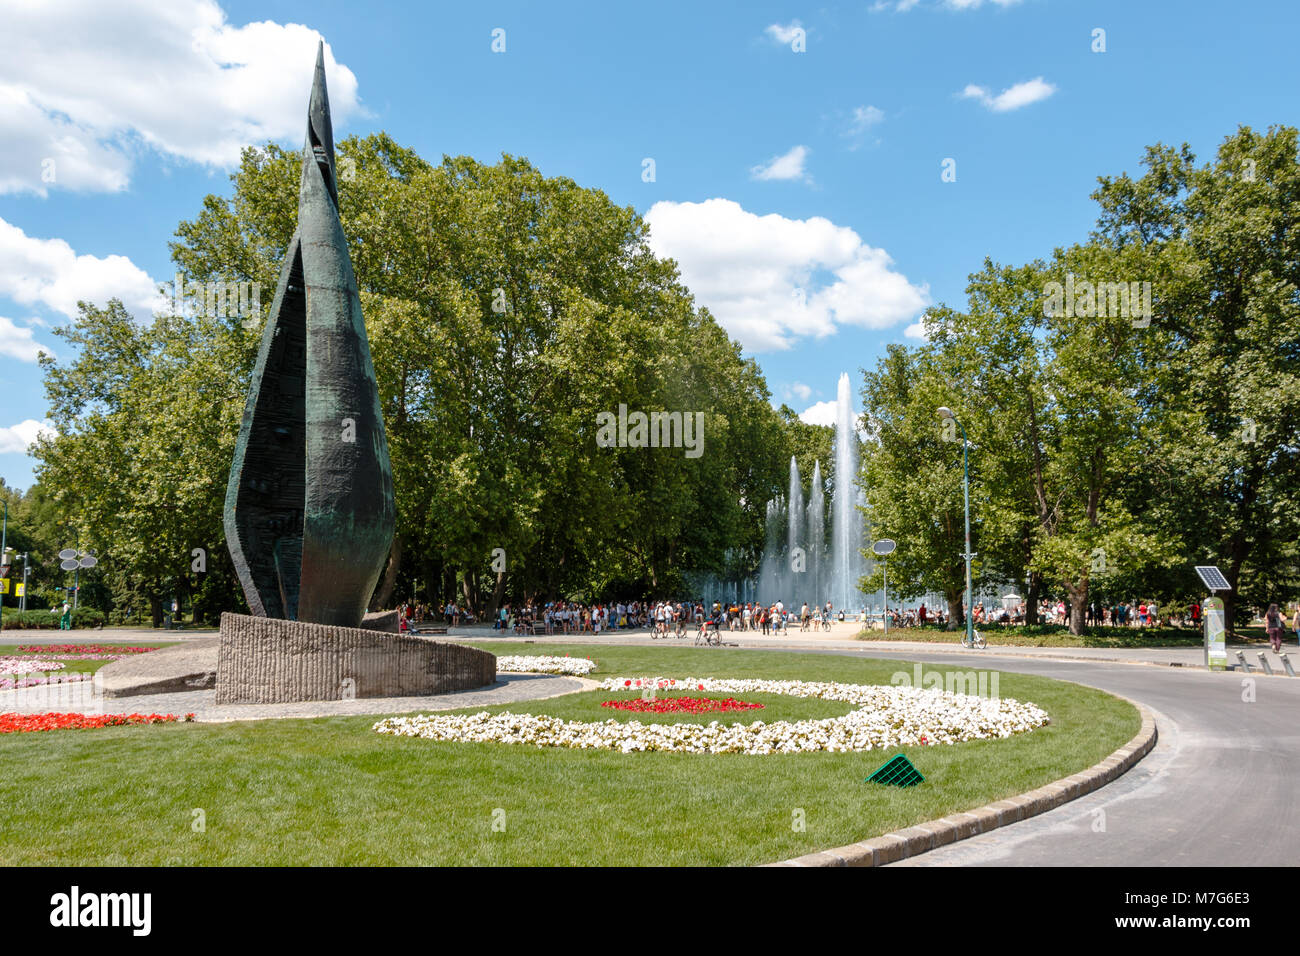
(801, 191)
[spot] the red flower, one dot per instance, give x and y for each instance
(27, 723)
(682, 705)
(627, 683)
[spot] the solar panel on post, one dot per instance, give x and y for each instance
(1213, 577)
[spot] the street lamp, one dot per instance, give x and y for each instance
(72, 559)
(4, 561)
(946, 412)
(885, 547)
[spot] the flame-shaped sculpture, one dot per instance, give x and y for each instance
(309, 508)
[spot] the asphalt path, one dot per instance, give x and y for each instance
(1218, 789)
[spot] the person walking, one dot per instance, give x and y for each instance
(1295, 623)
(1273, 621)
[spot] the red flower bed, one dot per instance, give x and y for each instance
(26, 723)
(50, 649)
(682, 705)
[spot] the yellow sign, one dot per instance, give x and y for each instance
(19, 589)
(4, 585)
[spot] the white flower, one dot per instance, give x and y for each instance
(892, 716)
(27, 665)
(580, 666)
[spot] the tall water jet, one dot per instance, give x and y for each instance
(847, 538)
(816, 534)
(795, 570)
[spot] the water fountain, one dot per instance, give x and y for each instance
(804, 558)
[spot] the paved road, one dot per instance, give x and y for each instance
(1219, 789)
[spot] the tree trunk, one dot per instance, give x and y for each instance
(498, 592)
(1078, 601)
(955, 615)
(155, 606)
(469, 588)
(383, 595)
(1031, 598)
(448, 586)
(433, 586)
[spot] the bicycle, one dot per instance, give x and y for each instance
(709, 634)
(977, 640)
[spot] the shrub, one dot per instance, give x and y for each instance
(82, 617)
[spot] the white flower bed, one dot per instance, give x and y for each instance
(26, 665)
(886, 717)
(581, 666)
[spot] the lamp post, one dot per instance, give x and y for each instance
(4, 560)
(946, 412)
(72, 559)
(885, 547)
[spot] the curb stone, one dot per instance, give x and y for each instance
(915, 840)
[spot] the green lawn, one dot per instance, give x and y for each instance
(331, 791)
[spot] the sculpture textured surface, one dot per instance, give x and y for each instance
(309, 508)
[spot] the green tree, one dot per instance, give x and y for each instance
(1226, 477)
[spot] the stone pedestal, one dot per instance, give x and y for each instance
(265, 660)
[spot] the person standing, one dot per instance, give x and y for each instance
(1273, 621)
(1295, 623)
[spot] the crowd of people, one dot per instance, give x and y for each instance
(662, 617)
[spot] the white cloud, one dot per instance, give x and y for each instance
(784, 33)
(916, 331)
(1013, 97)
(860, 122)
(864, 117)
(786, 166)
(90, 85)
(49, 272)
(17, 342)
(823, 413)
(800, 391)
(770, 280)
(902, 6)
(16, 438)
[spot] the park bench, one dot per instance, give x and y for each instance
(429, 629)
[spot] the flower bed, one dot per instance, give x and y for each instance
(9, 666)
(579, 666)
(681, 705)
(894, 716)
(87, 652)
(29, 723)
(71, 677)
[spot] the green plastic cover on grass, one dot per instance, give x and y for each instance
(897, 772)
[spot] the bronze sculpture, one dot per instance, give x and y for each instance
(309, 507)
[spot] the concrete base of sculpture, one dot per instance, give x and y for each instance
(265, 660)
